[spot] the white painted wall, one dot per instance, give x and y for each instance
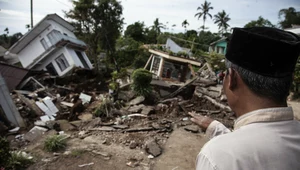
(77, 60)
(61, 28)
(51, 59)
(34, 48)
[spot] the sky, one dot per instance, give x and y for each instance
(15, 14)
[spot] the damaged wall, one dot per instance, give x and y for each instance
(8, 105)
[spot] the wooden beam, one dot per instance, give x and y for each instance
(150, 58)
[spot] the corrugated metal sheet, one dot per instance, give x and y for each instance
(13, 75)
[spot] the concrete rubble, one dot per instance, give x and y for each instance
(80, 106)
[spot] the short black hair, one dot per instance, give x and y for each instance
(275, 89)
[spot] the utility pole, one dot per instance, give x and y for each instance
(31, 7)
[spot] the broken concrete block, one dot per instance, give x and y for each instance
(192, 128)
(153, 148)
(65, 125)
(136, 109)
(35, 133)
(125, 95)
(85, 98)
(147, 110)
(163, 93)
(85, 116)
(137, 100)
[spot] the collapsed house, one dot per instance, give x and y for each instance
(167, 66)
(52, 46)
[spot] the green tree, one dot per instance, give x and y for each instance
(221, 19)
(151, 36)
(260, 22)
(157, 26)
(204, 12)
(8, 40)
(98, 23)
(136, 31)
(290, 16)
(6, 30)
(185, 24)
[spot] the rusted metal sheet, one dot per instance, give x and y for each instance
(12, 75)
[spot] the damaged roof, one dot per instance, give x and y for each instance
(12, 75)
(37, 29)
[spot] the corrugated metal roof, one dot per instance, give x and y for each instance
(13, 75)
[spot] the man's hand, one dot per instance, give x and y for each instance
(200, 120)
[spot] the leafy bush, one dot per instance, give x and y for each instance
(141, 82)
(5, 155)
(217, 61)
(55, 143)
(12, 160)
(20, 160)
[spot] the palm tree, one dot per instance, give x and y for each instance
(157, 26)
(184, 24)
(27, 26)
(222, 20)
(204, 11)
(6, 30)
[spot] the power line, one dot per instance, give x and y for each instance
(63, 3)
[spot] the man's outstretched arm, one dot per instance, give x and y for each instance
(213, 128)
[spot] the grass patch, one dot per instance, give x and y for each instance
(55, 143)
(20, 160)
(77, 152)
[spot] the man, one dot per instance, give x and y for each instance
(260, 64)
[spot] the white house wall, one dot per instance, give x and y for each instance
(61, 28)
(34, 48)
(76, 60)
(51, 59)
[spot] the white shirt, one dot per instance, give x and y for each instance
(266, 139)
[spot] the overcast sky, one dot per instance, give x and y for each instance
(15, 14)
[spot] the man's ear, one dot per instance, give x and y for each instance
(232, 79)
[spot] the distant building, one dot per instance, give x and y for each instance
(219, 46)
(52, 46)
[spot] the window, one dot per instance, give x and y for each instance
(79, 54)
(44, 43)
(62, 62)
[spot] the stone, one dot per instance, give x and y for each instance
(150, 156)
(192, 128)
(40, 123)
(132, 145)
(137, 100)
(153, 148)
(163, 93)
(85, 116)
(93, 123)
(35, 133)
(65, 125)
(76, 123)
(136, 108)
(125, 95)
(120, 126)
(53, 125)
(147, 110)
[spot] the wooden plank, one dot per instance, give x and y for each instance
(150, 58)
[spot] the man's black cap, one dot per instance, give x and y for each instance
(266, 51)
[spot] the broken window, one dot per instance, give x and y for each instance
(44, 43)
(80, 56)
(155, 66)
(62, 62)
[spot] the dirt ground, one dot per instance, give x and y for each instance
(179, 152)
